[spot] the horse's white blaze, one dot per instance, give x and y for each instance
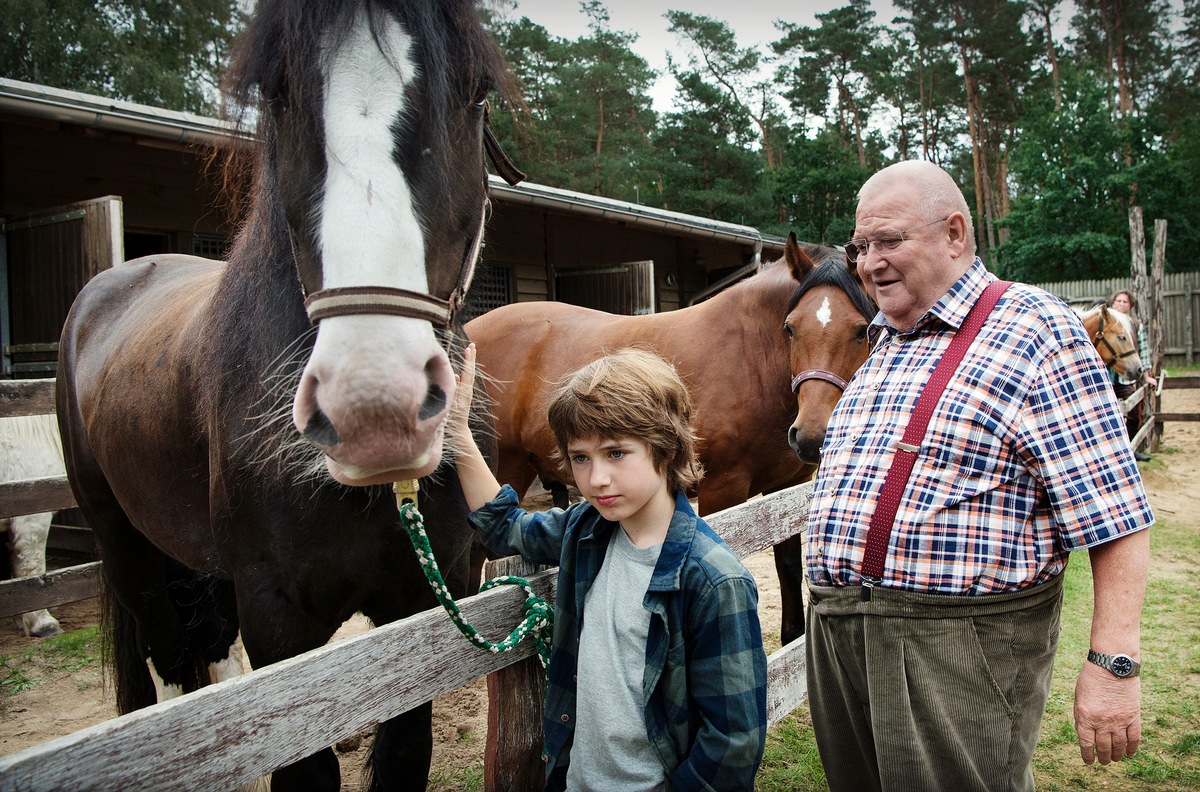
(824, 313)
(369, 231)
(372, 375)
(164, 691)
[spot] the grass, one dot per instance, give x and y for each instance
(62, 654)
(1169, 757)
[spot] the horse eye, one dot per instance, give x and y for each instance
(860, 333)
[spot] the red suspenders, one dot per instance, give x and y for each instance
(906, 450)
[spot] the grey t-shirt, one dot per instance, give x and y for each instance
(611, 750)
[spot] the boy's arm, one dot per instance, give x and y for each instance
(478, 484)
(727, 670)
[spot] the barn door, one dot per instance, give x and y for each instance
(50, 255)
(620, 289)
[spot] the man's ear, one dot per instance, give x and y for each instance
(956, 231)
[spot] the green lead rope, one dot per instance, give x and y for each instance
(539, 616)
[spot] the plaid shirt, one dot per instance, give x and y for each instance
(705, 683)
(1026, 457)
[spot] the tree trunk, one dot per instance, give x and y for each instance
(1053, 56)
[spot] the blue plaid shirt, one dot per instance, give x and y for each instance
(705, 683)
(1026, 457)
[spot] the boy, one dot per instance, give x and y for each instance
(657, 678)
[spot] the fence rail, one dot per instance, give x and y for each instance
(237, 731)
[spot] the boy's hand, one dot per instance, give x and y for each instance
(458, 424)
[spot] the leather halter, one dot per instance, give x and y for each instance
(349, 300)
(1099, 339)
(817, 374)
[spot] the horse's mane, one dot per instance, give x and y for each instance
(832, 271)
(1125, 320)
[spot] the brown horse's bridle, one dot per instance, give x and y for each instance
(1099, 339)
(391, 301)
(817, 374)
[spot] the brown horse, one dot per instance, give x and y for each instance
(225, 451)
(794, 327)
(1113, 335)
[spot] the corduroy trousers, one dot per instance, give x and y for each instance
(927, 692)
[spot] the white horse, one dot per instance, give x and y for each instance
(30, 448)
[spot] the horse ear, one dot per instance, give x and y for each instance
(797, 260)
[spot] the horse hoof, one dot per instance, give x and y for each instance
(44, 628)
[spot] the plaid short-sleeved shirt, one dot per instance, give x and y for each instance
(1026, 457)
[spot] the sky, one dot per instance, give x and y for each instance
(752, 22)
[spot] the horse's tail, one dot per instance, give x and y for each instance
(121, 653)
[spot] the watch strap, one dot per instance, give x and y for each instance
(1112, 662)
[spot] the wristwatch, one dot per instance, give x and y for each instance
(1121, 665)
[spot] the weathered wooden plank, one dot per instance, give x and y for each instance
(237, 731)
(35, 496)
(50, 590)
(1170, 383)
(787, 686)
(72, 540)
(26, 397)
(1173, 417)
(765, 522)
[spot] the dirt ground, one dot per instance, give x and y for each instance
(61, 703)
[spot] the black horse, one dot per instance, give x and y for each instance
(231, 429)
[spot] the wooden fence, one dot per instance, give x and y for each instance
(1181, 309)
(239, 730)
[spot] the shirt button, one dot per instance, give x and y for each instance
(564, 717)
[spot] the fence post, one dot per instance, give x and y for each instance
(1188, 342)
(512, 756)
(1137, 272)
(1152, 404)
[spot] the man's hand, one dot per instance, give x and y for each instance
(1108, 715)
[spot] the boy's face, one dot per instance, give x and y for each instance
(618, 476)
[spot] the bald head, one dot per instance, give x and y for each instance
(916, 239)
(932, 191)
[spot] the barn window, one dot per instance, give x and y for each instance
(209, 246)
(491, 287)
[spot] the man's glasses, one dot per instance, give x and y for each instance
(859, 247)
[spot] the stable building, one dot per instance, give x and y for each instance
(87, 181)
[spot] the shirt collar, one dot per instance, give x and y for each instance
(951, 310)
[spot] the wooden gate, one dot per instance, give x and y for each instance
(50, 256)
(620, 289)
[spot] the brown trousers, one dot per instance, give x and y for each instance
(926, 692)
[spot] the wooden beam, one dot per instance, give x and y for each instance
(26, 397)
(35, 496)
(49, 590)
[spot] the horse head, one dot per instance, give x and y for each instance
(826, 329)
(1115, 338)
(376, 166)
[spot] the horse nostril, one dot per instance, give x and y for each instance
(319, 431)
(435, 402)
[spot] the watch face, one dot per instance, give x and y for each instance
(1122, 665)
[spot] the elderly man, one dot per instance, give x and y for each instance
(929, 657)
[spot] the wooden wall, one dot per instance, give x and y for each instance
(164, 186)
(537, 242)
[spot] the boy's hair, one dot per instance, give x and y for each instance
(630, 393)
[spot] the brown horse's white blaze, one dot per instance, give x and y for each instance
(376, 388)
(834, 340)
